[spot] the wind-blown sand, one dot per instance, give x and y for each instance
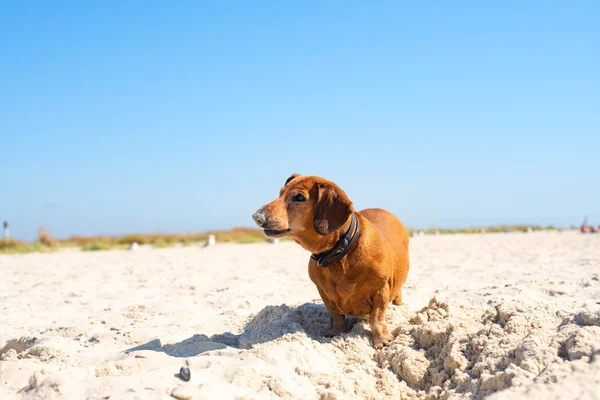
(506, 315)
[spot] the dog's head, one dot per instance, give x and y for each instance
(306, 205)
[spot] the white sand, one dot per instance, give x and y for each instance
(511, 315)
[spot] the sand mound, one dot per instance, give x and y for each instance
(440, 352)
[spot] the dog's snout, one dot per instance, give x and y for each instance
(259, 217)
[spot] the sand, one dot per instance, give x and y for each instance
(501, 315)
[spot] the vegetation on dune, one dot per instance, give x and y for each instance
(489, 229)
(160, 244)
(159, 240)
(45, 238)
(240, 235)
(46, 242)
(96, 246)
(11, 246)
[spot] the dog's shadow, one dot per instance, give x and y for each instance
(270, 324)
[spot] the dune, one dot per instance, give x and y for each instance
(500, 316)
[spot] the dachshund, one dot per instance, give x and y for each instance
(359, 260)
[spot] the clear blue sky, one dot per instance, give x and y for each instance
(154, 116)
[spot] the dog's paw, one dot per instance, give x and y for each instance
(382, 341)
(333, 332)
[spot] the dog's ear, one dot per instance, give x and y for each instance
(290, 178)
(332, 209)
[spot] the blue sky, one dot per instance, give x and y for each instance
(145, 116)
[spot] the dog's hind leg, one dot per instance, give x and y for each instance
(397, 301)
(379, 329)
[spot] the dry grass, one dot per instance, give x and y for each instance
(96, 246)
(15, 247)
(159, 240)
(45, 241)
(237, 235)
(488, 229)
(45, 238)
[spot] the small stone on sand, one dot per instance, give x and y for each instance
(185, 373)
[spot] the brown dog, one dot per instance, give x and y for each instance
(360, 259)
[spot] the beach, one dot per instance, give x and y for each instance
(501, 316)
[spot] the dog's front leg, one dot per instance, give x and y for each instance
(337, 321)
(379, 329)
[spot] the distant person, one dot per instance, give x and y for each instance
(585, 228)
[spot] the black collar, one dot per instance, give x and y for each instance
(342, 247)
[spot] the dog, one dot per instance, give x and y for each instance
(359, 260)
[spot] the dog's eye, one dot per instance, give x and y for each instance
(299, 198)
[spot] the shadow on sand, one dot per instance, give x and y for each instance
(270, 324)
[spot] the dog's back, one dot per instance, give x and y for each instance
(395, 233)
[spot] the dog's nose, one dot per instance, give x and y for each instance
(259, 218)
